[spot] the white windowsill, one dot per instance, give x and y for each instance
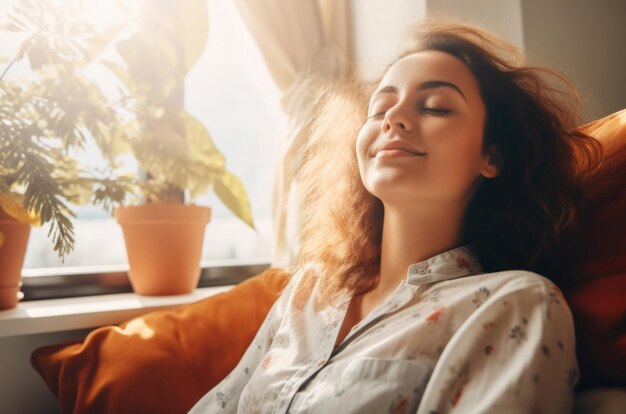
(54, 315)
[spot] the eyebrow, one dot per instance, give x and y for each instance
(425, 86)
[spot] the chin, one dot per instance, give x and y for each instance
(387, 194)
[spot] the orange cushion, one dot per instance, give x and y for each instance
(161, 362)
(598, 296)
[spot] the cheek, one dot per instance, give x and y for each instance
(363, 143)
(459, 159)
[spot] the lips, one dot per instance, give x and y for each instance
(398, 145)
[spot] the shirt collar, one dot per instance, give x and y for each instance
(451, 264)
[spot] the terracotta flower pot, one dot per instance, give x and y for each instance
(12, 253)
(164, 244)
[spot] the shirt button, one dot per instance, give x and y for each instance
(321, 362)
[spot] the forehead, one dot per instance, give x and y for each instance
(417, 68)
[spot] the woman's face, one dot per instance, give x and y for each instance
(429, 104)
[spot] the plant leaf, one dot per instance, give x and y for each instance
(201, 144)
(230, 190)
(100, 42)
(195, 28)
(152, 61)
(207, 163)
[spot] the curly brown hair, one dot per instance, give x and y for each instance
(522, 219)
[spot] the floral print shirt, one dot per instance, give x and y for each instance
(449, 339)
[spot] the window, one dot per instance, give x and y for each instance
(230, 90)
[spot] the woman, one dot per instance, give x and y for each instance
(428, 234)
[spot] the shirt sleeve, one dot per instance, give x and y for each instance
(514, 354)
(224, 397)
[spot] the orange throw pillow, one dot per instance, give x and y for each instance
(598, 296)
(161, 362)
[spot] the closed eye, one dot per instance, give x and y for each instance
(433, 111)
(436, 111)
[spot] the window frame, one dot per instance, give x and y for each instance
(58, 283)
(95, 280)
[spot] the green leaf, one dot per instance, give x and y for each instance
(230, 190)
(100, 42)
(20, 53)
(11, 27)
(39, 51)
(152, 60)
(195, 28)
(116, 139)
(207, 162)
(201, 144)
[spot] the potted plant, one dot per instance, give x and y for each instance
(46, 119)
(173, 149)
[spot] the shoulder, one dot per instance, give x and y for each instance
(515, 282)
(515, 291)
(298, 276)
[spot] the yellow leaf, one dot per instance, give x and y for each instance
(207, 163)
(230, 190)
(195, 27)
(98, 44)
(113, 141)
(204, 154)
(200, 143)
(14, 208)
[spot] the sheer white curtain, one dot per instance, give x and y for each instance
(305, 43)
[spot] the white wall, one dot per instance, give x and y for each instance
(586, 40)
(501, 16)
(378, 27)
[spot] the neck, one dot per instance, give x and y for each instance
(411, 236)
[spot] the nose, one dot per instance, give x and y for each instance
(397, 120)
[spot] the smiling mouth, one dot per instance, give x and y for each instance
(396, 153)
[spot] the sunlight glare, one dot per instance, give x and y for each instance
(136, 327)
